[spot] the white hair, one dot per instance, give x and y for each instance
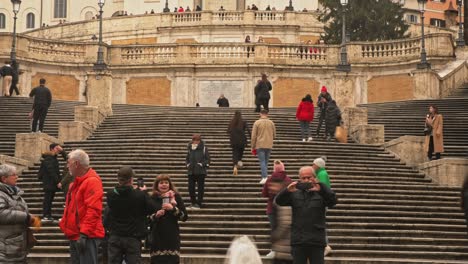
(7, 170)
(242, 251)
(80, 156)
(307, 168)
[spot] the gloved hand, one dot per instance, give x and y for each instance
(81, 243)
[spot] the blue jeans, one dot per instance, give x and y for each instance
(263, 156)
(305, 133)
(90, 254)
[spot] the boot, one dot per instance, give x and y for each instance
(234, 171)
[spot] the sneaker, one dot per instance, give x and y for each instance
(327, 251)
(240, 164)
(303, 140)
(310, 139)
(195, 206)
(263, 181)
(47, 219)
(270, 255)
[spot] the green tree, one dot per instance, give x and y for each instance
(366, 20)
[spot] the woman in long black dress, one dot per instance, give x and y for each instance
(165, 245)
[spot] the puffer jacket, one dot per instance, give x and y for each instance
(197, 160)
(333, 116)
(14, 215)
(83, 208)
(49, 172)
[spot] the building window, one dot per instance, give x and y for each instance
(89, 15)
(437, 22)
(412, 19)
(2, 20)
(60, 8)
(30, 20)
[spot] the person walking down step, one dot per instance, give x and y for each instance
(332, 120)
(50, 176)
(42, 101)
(305, 115)
(263, 134)
(198, 162)
(322, 102)
(165, 232)
(237, 137)
(322, 176)
(434, 131)
(262, 93)
(7, 73)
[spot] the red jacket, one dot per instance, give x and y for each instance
(83, 210)
(305, 111)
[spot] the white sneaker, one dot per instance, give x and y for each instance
(270, 255)
(310, 139)
(327, 251)
(263, 181)
(303, 140)
(240, 164)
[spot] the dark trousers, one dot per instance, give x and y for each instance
(330, 131)
(88, 256)
(303, 254)
(261, 102)
(40, 113)
(14, 87)
(321, 120)
(123, 248)
(47, 203)
(237, 153)
(431, 149)
(198, 180)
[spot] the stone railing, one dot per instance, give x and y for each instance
(227, 16)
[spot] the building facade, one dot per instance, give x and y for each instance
(438, 13)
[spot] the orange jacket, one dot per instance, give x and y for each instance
(83, 210)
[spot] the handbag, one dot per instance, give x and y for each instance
(341, 134)
(427, 130)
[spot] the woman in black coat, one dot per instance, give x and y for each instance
(237, 138)
(332, 119)
(165, 232)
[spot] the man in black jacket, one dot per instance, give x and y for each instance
(197, 161)
(222, 101)
(125, 218)
(7, 73)
(262, 93)
(308, 220)
(49, 174)
(42, 101)
(323, 100)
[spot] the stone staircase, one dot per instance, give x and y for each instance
(14, 119)
(407, 118)
(387, 212)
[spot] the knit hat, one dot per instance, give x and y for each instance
(319, 162)
(324, 89)
(278, 166)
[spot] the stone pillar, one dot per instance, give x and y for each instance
(20, 164)
(249, 18)
(89, 115)
(426, 85)
(99, 91)
(353, 117)
(368, 134)
(261, 53)
(240, 5)
(409, 149)
(29, 146)
(74, 131)
(446, 172)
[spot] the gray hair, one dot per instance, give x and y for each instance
(81, 156)
(302, 169)
(7, 170)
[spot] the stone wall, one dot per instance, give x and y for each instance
(290, 91)
(390, 88)
(152, 91)
(63, 87)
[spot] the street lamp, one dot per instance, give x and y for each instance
(16, 7)
(166, 7)
(423, 64)
(100, 64)
(344, 66)
(461, 38)
(290, 7)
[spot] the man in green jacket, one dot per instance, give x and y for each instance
(322, 176)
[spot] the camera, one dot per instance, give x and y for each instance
(304, 185)
(166, 200)
(140, 182)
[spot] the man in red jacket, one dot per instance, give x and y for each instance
(82, 218)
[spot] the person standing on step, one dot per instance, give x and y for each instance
(309, 199)
(165, 232)
(332, 120)
(127, 209)
(305, 115)
(7, 73)
(222, 101)
(276, 182)
(263, 134)
(464, 199)
(197, 161)
(262, 93)
(49, 175)
(434, 141)
(322, 102)
(42, 101)
(322, 176)
(82, 218)
(237, 137)
(15, 78)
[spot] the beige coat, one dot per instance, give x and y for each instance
(437, 133)
(263, 133)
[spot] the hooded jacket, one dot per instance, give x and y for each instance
(197, 160)
(14, 215)
(83, 208)
(49, 172)
(305, 111)
(262, 90)
(266, 192)
(333, 116)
